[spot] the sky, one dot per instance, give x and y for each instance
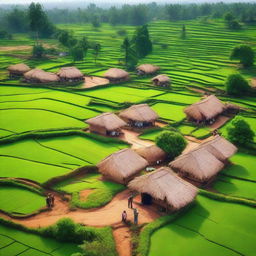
(117, 1)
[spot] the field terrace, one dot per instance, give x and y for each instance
(42, 138)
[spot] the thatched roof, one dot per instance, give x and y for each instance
(232, 106)
(70, 73)
(221, 148)
(198, 163)
(140, 112)
(122, 164)
(41, 76)
(164, 184)
(148, 68)
(151, 153)
(19, 68)
(116, 73)
(109, 121)
(161, 78)
(206, 108)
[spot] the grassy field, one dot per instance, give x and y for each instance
(19, 201)
(208, 229)
(14, 242)
(201, 61)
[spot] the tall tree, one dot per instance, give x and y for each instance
(131, 59)
(96, 51)
(244, 53)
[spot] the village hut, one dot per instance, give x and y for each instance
(232, 108)
(221, 148)
(70, 74)
(153, 154)
(147, 69)
(161, 80)
(197, 165)
(122, 165)
(117, 75)
(205, 110)
(165, 188)
(106, 124)
(18, 70)
(139, 116)
(40, 76)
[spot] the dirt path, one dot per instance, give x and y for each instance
(122, 236)
(21, 47)
(132, 138)
(93, 81)
(221, 120)
(108, 215)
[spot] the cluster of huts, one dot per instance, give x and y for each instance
(173, 186)
(36, 75)
(73, 74)
(110, 124)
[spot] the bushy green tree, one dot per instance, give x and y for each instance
(240, 132)
(244, 53)
(131, 59)
(237, 85)
(77, 53)
(173, 143)
(38, 51)
(96, 50)
(17, 20)
(142, 42)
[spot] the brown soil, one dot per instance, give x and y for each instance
(122, 236)
(20, 47)
(221, 120)
(84, 194)
(93, 81)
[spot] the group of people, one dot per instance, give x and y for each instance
(135, 211)
(50, 200)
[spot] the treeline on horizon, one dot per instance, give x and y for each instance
(15, 19)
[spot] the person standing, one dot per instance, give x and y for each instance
(136, 216)
(48, 201)
(52, 200)
(130, 202)
(124, 216)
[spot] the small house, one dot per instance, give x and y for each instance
(40, 76)
(18, 70)
(147, 69)
(70, 74)
(221, 148)
(153, 154)
(205, 111)
(161, 80)
(164, 188)
(122, 166)
(198, 165)
(106, 124)
(139, 116)
(117, 75)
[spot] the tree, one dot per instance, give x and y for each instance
(229, 17)
(183, 32)
(240, 132)
(17, 21)
(95, 21)
(96, 50)
(171, 142)
(38, 51)
(244, 53)
(77, 53)
(131, 59)
(142, 42)
(237, 85)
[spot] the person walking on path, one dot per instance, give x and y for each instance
(124, 216)
(48, 201)
(136, 216)
(52, 200)
(130, 201)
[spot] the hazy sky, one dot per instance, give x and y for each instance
(116, 1)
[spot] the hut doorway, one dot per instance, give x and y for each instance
(146, 199)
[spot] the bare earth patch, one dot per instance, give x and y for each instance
(92, 81)
(122, 236)
(221, 120)
(84, 194)
(21, 47)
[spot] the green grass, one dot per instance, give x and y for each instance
(101, 191)
(201, 133)
(186, 129)
(169, 111)
(208, 229)
(150, 135)
(19, 201)
(25, 244)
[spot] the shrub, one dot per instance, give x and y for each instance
(237, 85)
(171, 142)
(121, 32)
(244, 53)
(240, 132)
(38, 51)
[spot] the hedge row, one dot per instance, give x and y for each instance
(226, 198)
